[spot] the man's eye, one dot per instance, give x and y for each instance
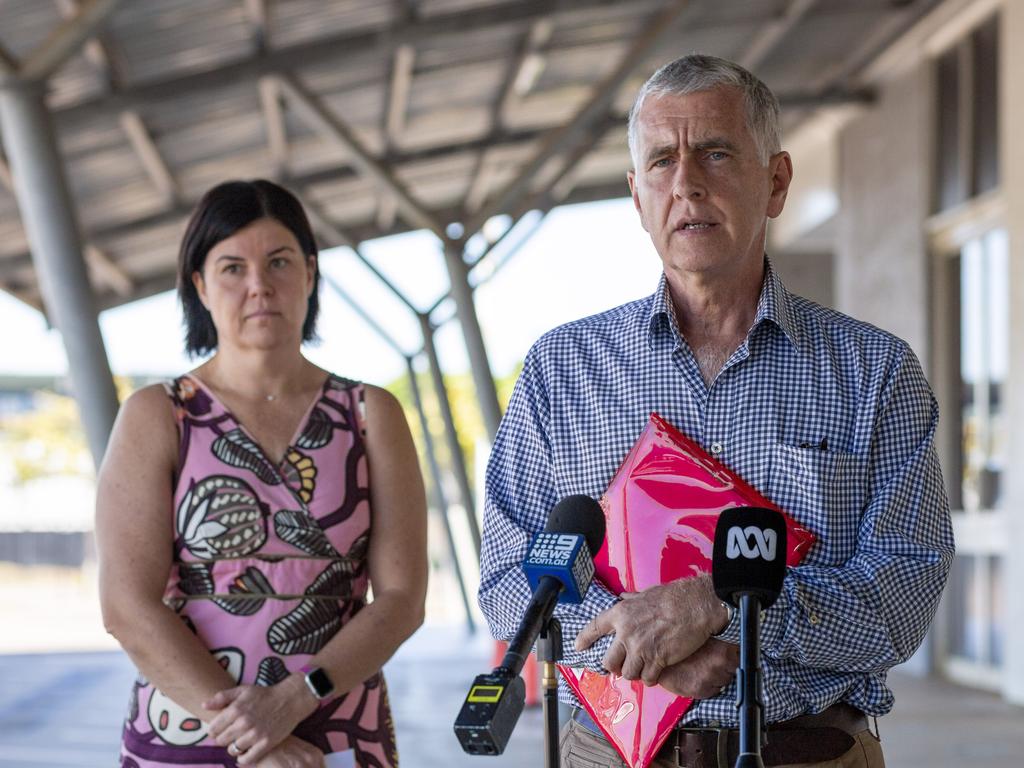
(663, 162)
(717, 155)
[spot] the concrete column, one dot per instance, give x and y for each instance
(881, 266)
(451, 434)
(483, 379)
(439, 495)
(49, 219)
(1011, 151)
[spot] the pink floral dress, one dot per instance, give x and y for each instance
(269, 563)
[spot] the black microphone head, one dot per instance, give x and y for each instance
(749, 555)
(581, 515)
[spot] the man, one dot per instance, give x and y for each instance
(829, 417)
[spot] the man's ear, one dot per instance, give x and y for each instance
(782, 176)
(635, 194)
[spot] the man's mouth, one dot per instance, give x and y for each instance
(696, 226)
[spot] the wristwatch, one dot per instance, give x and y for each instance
(732, 613)
(317, 681)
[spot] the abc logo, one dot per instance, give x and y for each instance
(751, 542)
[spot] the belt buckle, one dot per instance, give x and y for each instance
(721, 746)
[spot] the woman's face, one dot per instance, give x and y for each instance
(256, 285)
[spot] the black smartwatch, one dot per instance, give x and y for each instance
(317, 681)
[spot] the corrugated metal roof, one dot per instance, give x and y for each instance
(188, 72)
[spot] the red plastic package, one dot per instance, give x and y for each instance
(661, 509)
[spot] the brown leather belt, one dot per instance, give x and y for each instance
(804, 739)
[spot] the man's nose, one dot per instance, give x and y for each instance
(689, 182)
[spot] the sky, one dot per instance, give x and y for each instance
(581, 260)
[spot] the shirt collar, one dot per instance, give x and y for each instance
(775, 304)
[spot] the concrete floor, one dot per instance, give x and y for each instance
(64, 711)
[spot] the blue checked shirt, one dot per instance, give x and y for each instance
(829, 417)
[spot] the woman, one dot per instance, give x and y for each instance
(244, 508)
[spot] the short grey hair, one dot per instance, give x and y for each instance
(697, 72)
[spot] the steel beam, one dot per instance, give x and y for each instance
(107, 272)
(96, 51)
(8, 64)
(566, 136)
(433, 28)
(450, 432)
(149, 155)
(49, 219)
(768, 36)
(483, 379)
(273, 122)
(65, 41)
(259, 18)
(440, 498)
(321, 223)
(5, 174)
(313, 111)
(398, 93)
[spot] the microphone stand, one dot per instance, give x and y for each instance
(549, 651)
(750, 701)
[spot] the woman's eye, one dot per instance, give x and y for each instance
(278, 262)
(232, 269)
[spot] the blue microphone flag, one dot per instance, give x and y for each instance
(563, 556)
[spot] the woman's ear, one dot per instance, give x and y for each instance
(200, 286)
(311, 267)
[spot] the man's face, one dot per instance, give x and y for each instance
(699, 185)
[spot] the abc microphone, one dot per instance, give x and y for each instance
(747, 568)
(559, 567)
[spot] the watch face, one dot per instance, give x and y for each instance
(319, 682)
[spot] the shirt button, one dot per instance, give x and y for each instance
(716, 448)
(813, 618)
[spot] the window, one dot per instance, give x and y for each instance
(984, 351)
(967, 119)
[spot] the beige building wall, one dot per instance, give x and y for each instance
(885, 272)
(881, 270)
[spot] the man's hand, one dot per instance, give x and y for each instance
(252, 720)
(656, 628)
(705, 673)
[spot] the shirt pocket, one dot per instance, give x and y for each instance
(824, 491)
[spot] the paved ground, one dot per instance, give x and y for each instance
(64, 711)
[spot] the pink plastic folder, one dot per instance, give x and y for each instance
(661, 509)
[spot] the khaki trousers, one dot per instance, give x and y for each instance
(581, 748)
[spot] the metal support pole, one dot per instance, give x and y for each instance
(483, 379)
(439, 495)
(451, 435)
(48, 215)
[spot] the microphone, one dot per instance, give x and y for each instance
(748, 566)
(559, 567)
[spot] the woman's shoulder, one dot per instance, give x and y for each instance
(378, 398)
(149, 401)
(145, 425)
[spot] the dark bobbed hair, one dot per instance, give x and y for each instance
(223, 211)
